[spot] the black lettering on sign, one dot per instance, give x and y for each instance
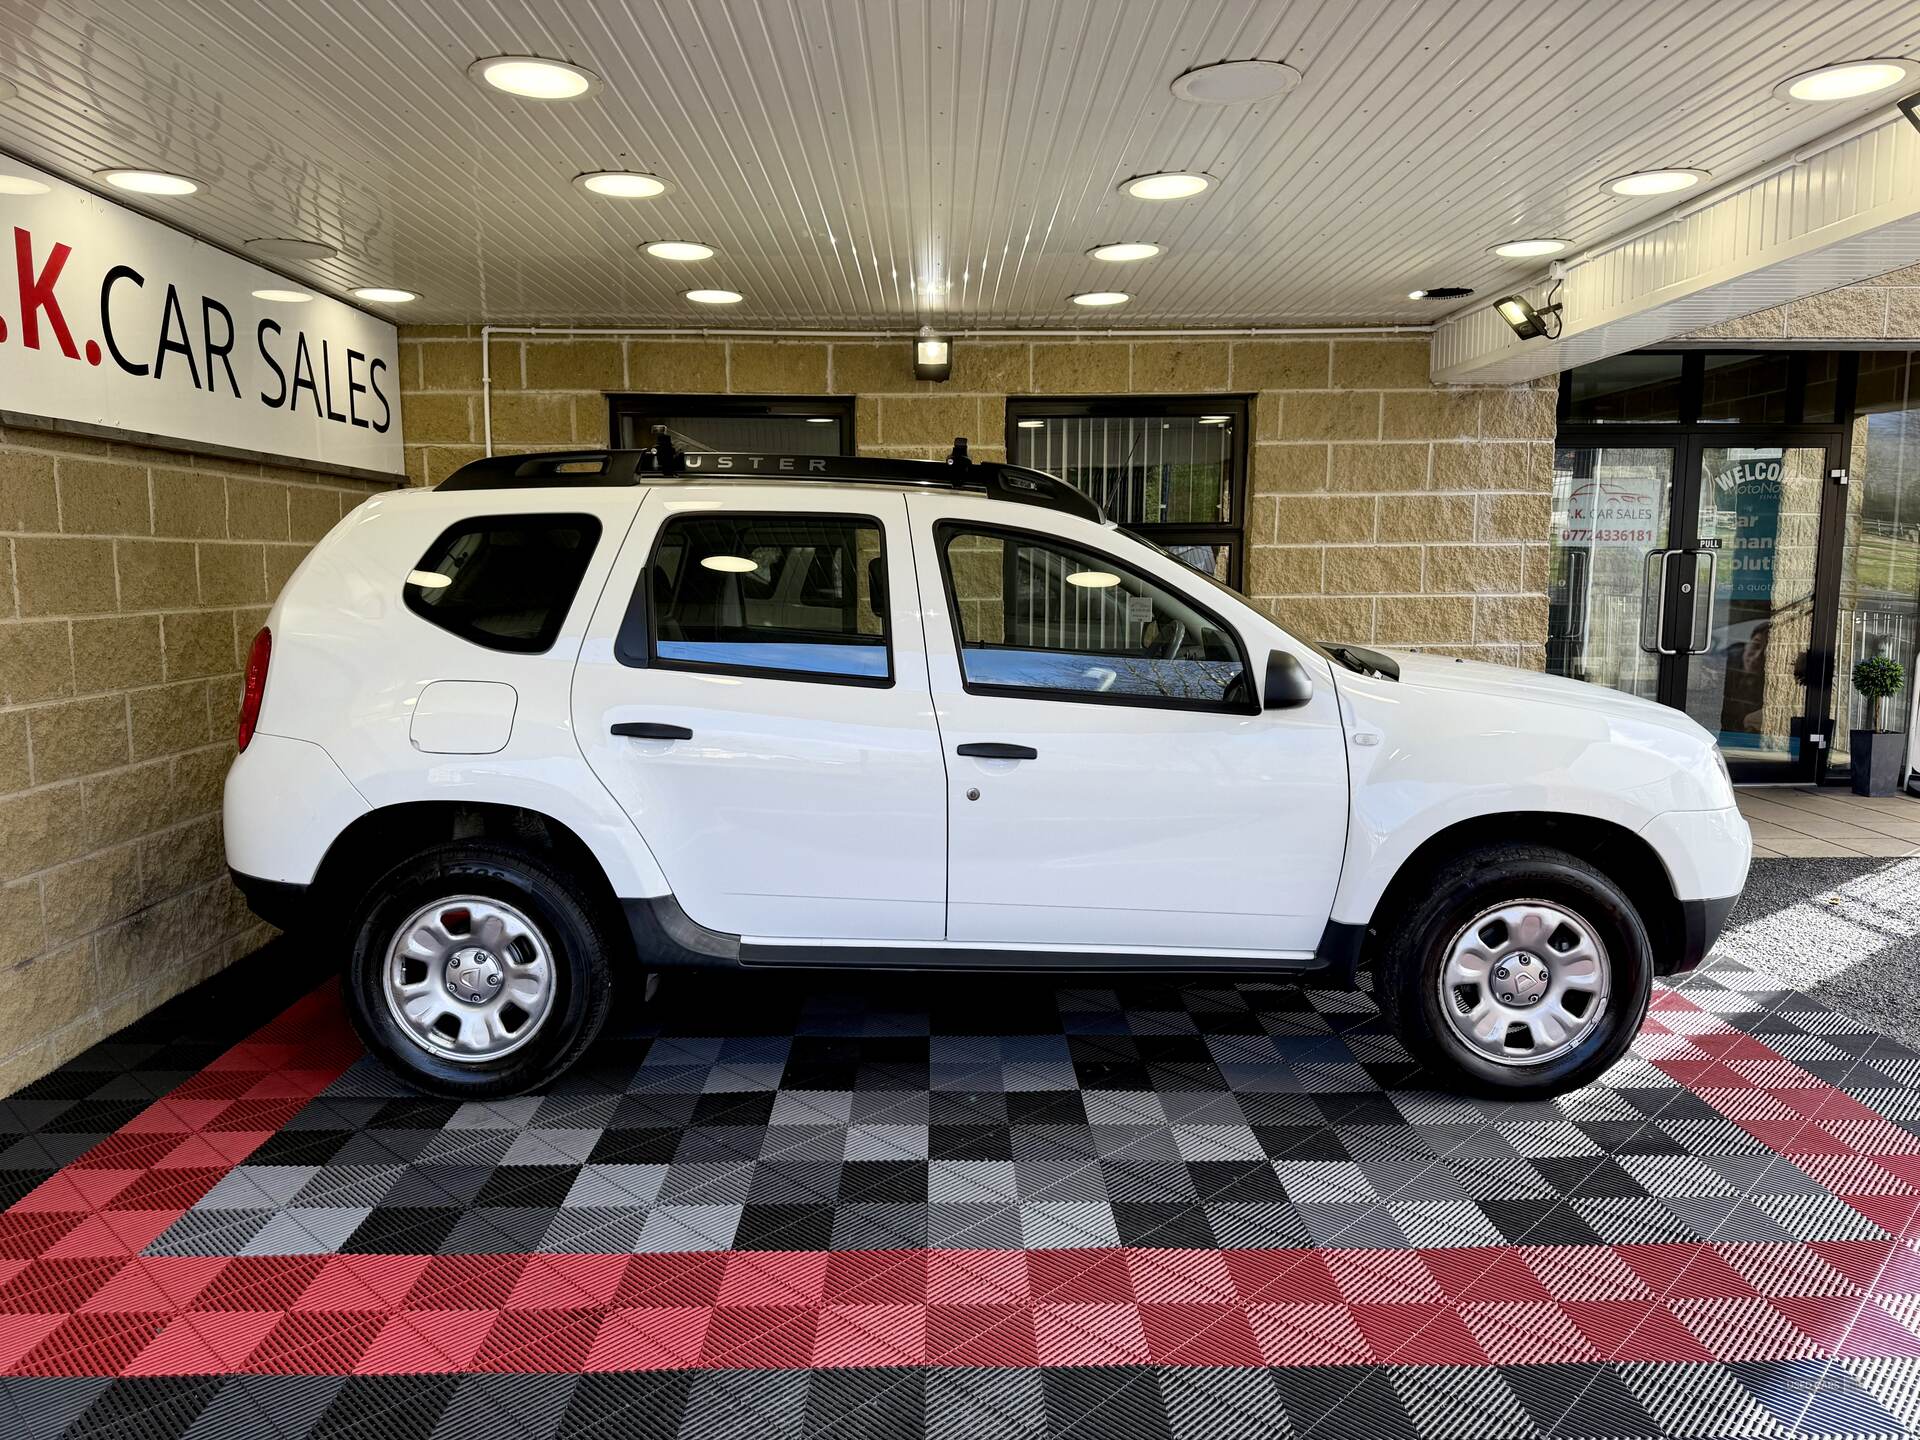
(303, 376)
(279, 397)
(326, 378)
(170, 318)
(354, 388)
(114, 276)
(210, 307)
(385, 421)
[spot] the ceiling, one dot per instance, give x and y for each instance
(863, 163)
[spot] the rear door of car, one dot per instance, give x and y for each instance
(753, 690)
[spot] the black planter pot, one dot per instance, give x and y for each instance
(1874, 761)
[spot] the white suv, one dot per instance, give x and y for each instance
(572, 719)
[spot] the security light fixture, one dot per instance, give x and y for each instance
(1235, 82)
(1910, 107)
(532, 78)
(1526, 321)
(682, 250)
(384, 295)
(1124, 250)
(932, 356)
(292, 247)
(1167, 185)
(149, 182)
(622, 184)
(1849, 80)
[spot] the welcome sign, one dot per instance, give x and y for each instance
(115, 322)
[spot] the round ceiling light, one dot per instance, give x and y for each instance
(21, 185)
(622, 184)
(1100, 297)
(384, 295)
(291, 247)
(1441, 292)
(682, 250)
(533, 78)
(149, 182)
(1216, 419)
(1235, 82)
(1167, 185)
(1531, 249)
(714, 297)
(821, 420)
(1653, 182)
(729, 564)
(1848, 81)
(1122, 251)
(283, 297)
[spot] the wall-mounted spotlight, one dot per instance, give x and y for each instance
(932, 356)
(1527, 322)
(1910, 107)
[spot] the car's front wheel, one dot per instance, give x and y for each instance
(1521, 971)
(478, 969)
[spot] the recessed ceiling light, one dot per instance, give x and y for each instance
(1654, 182)
(149, 182)
(283, 297)
(622, 184)
(532, 78)
(21, 185)
(678, 250)
(820, 420)
(384, 295)
(1032, 424)
(729, 564)
(1093, 579)
(1124, 251)
(291, 247)
(1215, 419)
(1848, 81)
(1530, 249)
(1100, 297)
(1235, 82)
(1441, 292)
(714, 297)
(1167, 185)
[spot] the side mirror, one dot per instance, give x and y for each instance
(1288, 683)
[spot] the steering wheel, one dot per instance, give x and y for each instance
(1169, 648)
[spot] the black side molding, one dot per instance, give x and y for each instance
(280, 903)
(1342, 946)
(1701, 922)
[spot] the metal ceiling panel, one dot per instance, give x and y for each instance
(862, 163)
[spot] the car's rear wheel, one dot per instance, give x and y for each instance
(477, 969)
(1520, 970)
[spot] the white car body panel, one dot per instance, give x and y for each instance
(800, 808)
(1135, 825)
(812, 814)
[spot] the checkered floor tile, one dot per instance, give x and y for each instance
(962, 1208)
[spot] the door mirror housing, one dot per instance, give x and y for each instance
(1288, 683)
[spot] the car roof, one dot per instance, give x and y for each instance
(665, 465)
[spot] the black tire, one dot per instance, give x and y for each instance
(571, 922)
(1415, 945)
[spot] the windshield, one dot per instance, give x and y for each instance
(1221, 585)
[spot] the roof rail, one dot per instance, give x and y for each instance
(664, 464)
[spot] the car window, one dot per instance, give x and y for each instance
(1039, 615)
(796, 595)
(503, 581)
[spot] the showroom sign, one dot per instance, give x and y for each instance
(113, 321)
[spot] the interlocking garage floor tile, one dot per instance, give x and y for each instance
(947, 1207)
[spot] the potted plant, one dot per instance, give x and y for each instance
(1877, 755)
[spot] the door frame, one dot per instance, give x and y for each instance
(1688, 444)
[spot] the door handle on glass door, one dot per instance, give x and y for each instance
(995, 750)
(647, 730)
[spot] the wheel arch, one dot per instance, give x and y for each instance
(1617, 852)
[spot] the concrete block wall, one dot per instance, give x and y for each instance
(132, 581)
(1886, 307)
(1381, 508)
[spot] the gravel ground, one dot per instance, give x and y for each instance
(1846, 932)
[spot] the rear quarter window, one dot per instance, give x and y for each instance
(504, 582)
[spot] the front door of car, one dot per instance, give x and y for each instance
(754, 693)
(1113, 781)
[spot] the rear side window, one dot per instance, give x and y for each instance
(799, 597)
(504, 581)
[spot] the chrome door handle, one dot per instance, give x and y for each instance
(994, 750)
(647, 730)
(1702, 639)
(1660, 615)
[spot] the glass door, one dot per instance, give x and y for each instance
(1611, 506)
(1753, 609)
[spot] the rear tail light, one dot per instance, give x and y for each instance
(256, 685)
